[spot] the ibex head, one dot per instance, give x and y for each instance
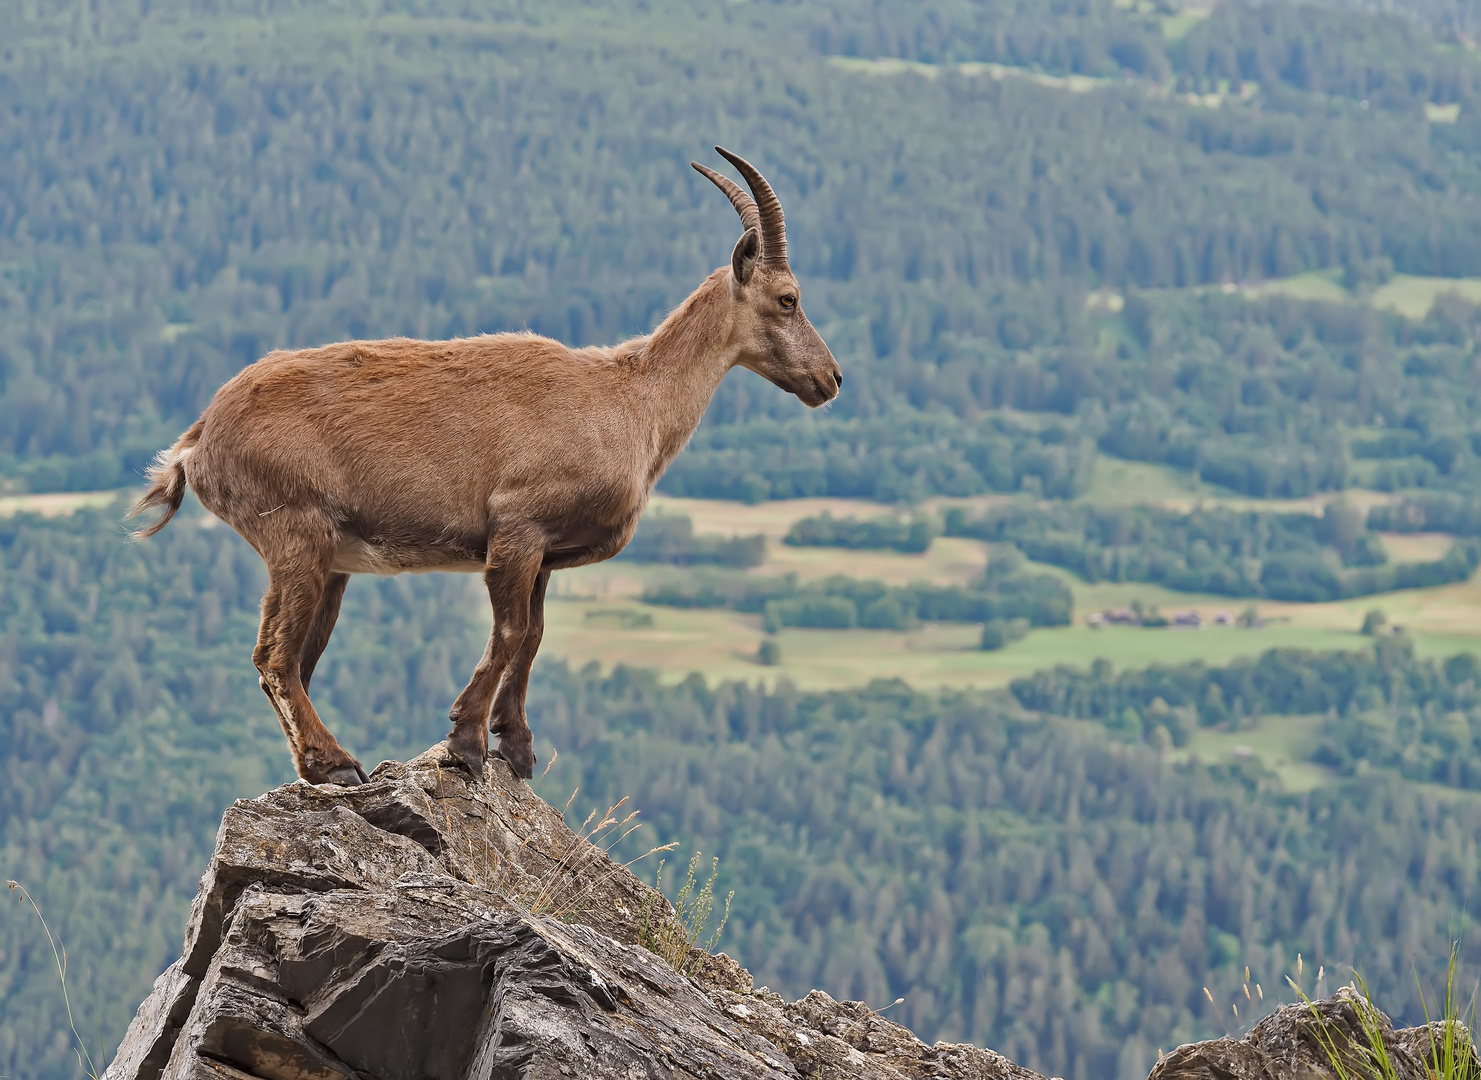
(775, 339)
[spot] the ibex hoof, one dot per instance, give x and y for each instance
(348, 775)
(470, 757)
(521, 759)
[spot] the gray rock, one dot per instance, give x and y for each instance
(427, 926)
(1296, 1043)
(151, 1036)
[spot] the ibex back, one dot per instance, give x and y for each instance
(510, 455)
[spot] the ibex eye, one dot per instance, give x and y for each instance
(789, 301)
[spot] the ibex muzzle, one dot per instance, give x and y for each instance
(509, 455)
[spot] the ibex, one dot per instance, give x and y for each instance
(509, 455)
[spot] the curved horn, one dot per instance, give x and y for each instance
(744, 205)
(768, 207)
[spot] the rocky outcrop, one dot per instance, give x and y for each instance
(428, 926)
(1296, 1042)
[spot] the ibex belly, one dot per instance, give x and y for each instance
(357, 556)
(575, 538)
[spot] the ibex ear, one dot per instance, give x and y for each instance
(743, 258)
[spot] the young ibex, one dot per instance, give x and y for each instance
(507, 454)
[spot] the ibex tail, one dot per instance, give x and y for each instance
(166, 483)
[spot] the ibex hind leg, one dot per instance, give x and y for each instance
(291, 608)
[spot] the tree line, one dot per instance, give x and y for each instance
(909, 536)
(337, 174)
(1248, 553)
(670, 538)
(1005, 591)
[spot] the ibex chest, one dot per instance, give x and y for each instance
(592, 525)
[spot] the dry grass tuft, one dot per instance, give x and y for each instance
(93, 1067)
(676, 937)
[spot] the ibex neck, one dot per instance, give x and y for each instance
(678, 368)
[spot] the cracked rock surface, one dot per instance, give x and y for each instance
(428, 926)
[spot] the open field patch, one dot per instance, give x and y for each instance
(1416, 547)
(1443, 620)
(1280, 743)
(1116, 481)
(1318, 285)
(1410, 295)
(584, 624)
(60, 502)
(950, 560)
(1413, 296)
(772, 518)
(721, 644)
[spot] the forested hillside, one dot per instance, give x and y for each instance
(1030, 869)
(1230, 240)
(1050, 890)
(189, 188)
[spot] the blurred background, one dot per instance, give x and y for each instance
(1113, 636)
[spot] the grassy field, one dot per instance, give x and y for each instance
(723, 644)
(595, 614)
(1281, 743)
(1416, 547)
(51, 505)
(1413, 296)
(1409, 295)
(596, 617)
(1127, 482)
(1317, 285)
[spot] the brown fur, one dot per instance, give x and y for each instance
(510, 455)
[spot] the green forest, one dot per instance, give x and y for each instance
(187, 191)
(1033, 869)
(1039, 235)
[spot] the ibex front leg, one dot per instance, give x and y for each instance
(323, 625)
(516, 744)
(510, 583)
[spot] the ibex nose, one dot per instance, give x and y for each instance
(838, 377)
